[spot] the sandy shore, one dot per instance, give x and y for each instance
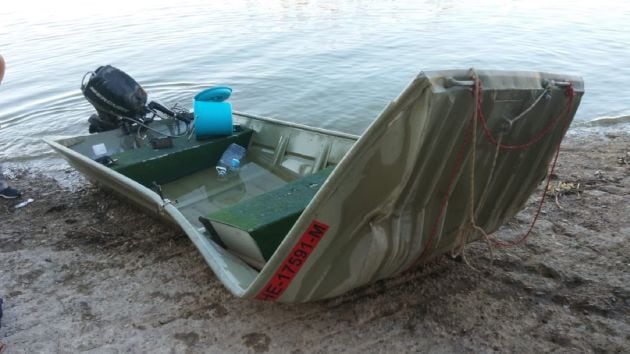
(82, 270)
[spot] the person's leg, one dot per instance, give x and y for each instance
(7, 192)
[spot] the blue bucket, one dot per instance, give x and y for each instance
(213, 117)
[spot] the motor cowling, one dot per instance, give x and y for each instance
(115, 95)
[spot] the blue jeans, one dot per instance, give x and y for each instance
(3, 183)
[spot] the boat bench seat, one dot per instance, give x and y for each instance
(146, 165)
(268, 217)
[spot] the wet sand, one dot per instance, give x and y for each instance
(82, 270)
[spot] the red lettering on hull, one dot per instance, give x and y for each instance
(287, 271)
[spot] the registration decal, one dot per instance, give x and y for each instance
(287, 271)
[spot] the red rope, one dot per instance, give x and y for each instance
(569, 92)
(523, 238)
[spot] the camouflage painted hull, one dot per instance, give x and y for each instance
(455, 148)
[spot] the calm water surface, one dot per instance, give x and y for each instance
(328, 63)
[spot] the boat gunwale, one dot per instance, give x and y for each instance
(309, 128)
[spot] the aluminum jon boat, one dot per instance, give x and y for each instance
(312, 213)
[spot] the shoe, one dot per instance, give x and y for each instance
(10, 193)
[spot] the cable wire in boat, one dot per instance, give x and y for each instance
(155, 130)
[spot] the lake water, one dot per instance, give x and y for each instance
(328, 63)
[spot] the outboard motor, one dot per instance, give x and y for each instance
(121, 102)
(116, 96)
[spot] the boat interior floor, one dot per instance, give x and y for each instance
(260, 199)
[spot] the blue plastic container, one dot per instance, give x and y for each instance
(213, 117)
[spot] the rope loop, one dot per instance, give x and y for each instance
(569, 93)
(470, 139)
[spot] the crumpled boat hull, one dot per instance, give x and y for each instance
(402, 195)
(452, 145)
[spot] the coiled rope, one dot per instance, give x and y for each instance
(471, 135)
